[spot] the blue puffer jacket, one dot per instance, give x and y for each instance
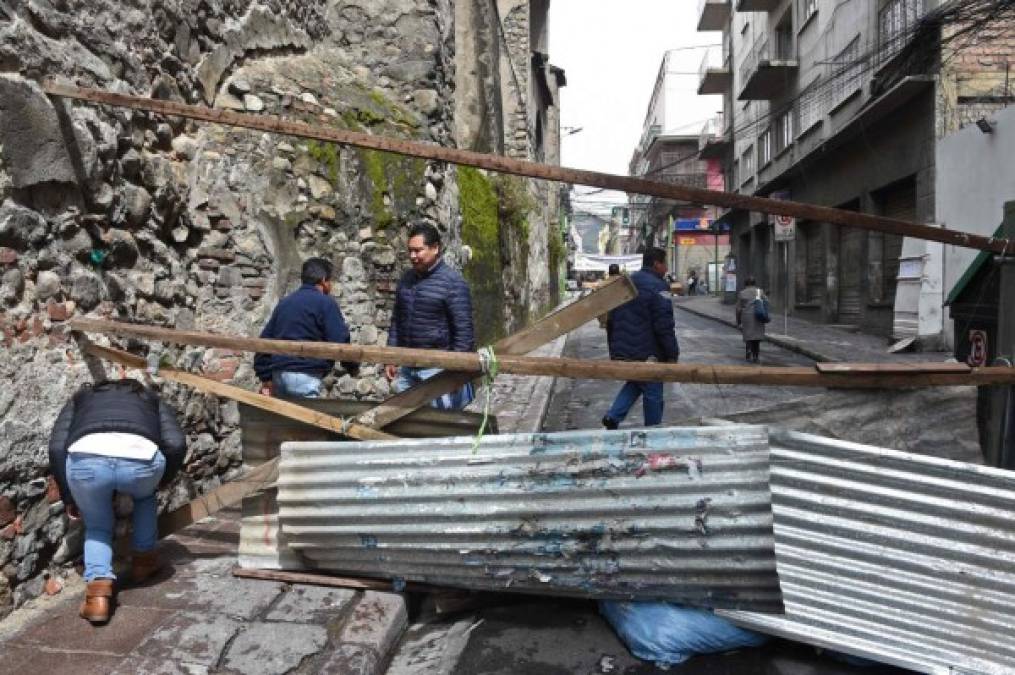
(644, 327)
(433, 311)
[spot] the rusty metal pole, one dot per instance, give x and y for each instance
(501, 164)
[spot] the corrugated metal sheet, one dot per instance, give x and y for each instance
(680, 513)
(262, 546)
(903, 558)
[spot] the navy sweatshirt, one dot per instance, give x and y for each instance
(306, 315)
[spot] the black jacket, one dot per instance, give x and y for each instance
(306, 315)
(644, 327)
(124, 406)
(433, 311)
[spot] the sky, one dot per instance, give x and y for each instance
(610, 51)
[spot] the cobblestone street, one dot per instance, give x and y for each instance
(581, 404)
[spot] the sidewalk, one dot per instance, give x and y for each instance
(197, 618)
(820, 342)
(519, 402)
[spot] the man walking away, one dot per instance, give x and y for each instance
(612, 271)
(643, 330)
(747, 321)
(309, 314)
(433, 310)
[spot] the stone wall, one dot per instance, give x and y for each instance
(111, 213)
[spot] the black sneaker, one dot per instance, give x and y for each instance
(609, 423)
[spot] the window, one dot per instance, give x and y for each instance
(896, 24)
(806, 8)
(809, 108)
(848, 71)
(747, 165)
(784, 40)
(765, 148)
(783, 131)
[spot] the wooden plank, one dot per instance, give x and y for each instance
(263, 431)
(556, 367)
(612, 294)
(852, 368)
(501, 164)
(275, 405)
(221, 497)
(332, 581)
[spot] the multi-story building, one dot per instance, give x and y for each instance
(841, 103)
(669, 157)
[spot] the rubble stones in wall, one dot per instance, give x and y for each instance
(175, 223)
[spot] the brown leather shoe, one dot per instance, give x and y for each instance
(98, 601)
(143, 565)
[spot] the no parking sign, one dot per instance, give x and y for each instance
(977, 348)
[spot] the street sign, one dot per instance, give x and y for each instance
(977, 348)
(784, 228)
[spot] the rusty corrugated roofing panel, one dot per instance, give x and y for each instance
(900, 557)
(681, 513)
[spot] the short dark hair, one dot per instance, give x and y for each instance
(653, 255)
(614, 269)
(750, 281)
(316, 270)
(431, 237)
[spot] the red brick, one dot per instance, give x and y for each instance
(8, 256)
(57, 311)
(222, 369)
(8, 512)
(52, 586)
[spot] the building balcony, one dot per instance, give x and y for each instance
(766, 76)
(695, 180)
(757, 5)
(715, 140)
(713, 14)
(714, 75)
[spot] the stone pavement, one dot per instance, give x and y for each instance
(821, 342)
(197, 618)
(519, 401)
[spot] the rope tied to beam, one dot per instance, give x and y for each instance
(489, 364)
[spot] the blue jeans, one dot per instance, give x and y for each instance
(652, 404)
(296, 385)
(410, 377)
(92, 480)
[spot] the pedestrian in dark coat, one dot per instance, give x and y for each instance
(643, 329)
(753, 330)
(310, 314)
(433, 310)
(114, 436)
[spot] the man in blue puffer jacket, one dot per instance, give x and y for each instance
(433, 310)
(642, 330)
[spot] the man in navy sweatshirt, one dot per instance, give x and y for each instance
(309, 314)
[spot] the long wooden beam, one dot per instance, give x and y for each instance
(430, 151)
(613, 293)
(570, 368)
(275, 405)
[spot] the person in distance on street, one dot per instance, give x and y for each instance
(750, 326)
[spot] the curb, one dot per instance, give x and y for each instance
(784, 342)
(546, 393)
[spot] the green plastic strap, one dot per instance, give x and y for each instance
(489, 364)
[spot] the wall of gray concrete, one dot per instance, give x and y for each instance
(974, 180)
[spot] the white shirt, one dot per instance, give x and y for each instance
(115, 444)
